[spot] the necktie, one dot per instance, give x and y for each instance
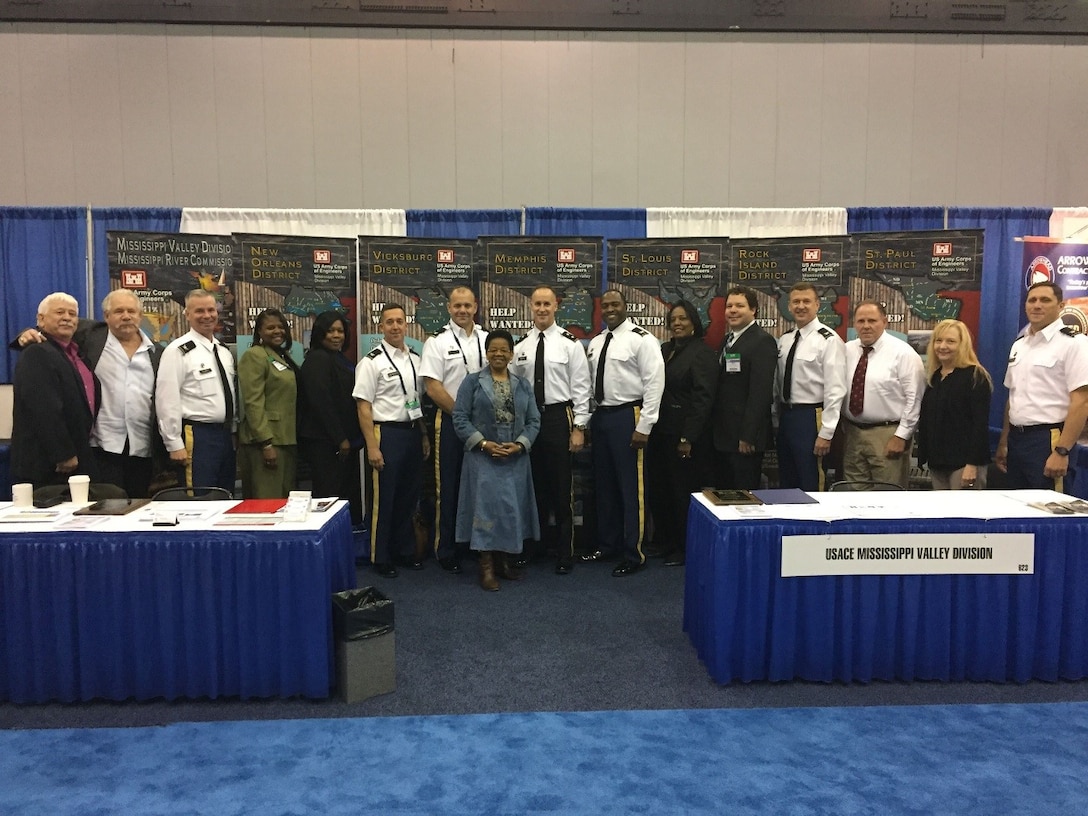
(598, 387)
(729, 340)
(228, 395)
(857, 386)
(787, 377)
(538, 372)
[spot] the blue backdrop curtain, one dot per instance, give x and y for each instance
(1001, 304)
(151, 219)
(462, 223)
(42, 250)
(610, 223)
(893, 219)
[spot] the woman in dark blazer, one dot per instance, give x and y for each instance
(953, 427)
(678, 452)
(329, 437)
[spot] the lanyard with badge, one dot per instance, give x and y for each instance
(479, 350)
(414, 411)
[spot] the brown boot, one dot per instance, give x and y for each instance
(505, 570)
(487, 572)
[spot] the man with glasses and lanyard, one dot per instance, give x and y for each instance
(387, 395)
(449, 355)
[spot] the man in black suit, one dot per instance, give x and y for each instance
(125, 435)
(56, 399)
(742, 409)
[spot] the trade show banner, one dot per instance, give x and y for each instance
(921, 278)
(301, 276)
(772, 266)
(162, 267)
(1066, 264)
(418, 273)
(510, 268)
(653, 273)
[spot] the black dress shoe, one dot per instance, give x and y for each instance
(626, 568)
(410, 562)
(450, 565)
(386, 570)
(521, 561)
(562, 567)
(674, 559)
(653, 551)
(596, 555)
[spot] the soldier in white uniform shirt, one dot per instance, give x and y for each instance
(885, 382)
(628, 375)
(1047, 378)
(810, 399)
(450, 354)
(555, 362)
(387, 393)
(196, 399)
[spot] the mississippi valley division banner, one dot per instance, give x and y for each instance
(162, 267)
(301, 276)
(511, 268)
(1063, 263)
(772, 266)
(417, 273)
(653, 273)
(921, 278)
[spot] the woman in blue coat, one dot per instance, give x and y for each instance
(498, 420)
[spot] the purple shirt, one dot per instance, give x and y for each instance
(71, 351)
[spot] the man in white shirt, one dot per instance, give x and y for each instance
(196, 399)
(451, 353)
(555, 362)
(387, 395)
(628, 373)
(1047, 378)
(810, 385)
(886, 382)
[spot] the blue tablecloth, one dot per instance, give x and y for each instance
(210, 613)
(748, 623)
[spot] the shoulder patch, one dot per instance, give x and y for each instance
(569, 336)
(374, 353)
(825, 332)
(187, 346)
(1069, 331)
(435, 334)
(639, 331)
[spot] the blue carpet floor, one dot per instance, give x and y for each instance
(982, 759)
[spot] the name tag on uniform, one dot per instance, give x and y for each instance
(276, 364)
(414, 411)
(389, 374)
(453, 351)
(522, 358)
(732, 363)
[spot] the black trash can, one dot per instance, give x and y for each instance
(362, 623)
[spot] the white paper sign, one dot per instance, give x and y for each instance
(909, 554)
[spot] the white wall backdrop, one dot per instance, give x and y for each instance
(131, 115)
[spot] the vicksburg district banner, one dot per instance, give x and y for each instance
(1063, 263)
(162, 267)
(419, 274)
(509, 269)
(653, 273)
(301, 276)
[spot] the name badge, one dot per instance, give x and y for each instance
(389, 374)
(414, 411)
(276, 364)
(732, 363)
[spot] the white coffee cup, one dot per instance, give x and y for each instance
(79, 486)
(22, 494)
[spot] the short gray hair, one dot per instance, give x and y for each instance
(61, 297)
(107, 301)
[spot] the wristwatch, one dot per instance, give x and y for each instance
(579, 427)
(684, 440)
(1061, 451)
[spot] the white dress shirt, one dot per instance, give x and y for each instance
(450, 355)
(819, 372)
(566, 369)
(1044, 369)
(895, 381)
(128, 392)
(388, 378)
(634, 370)
(189, 386)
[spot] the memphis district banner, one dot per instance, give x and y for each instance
(653, 273)
(510, 268)
(302, 276)
(1066, 264)
(419, 274)
(162, 267)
